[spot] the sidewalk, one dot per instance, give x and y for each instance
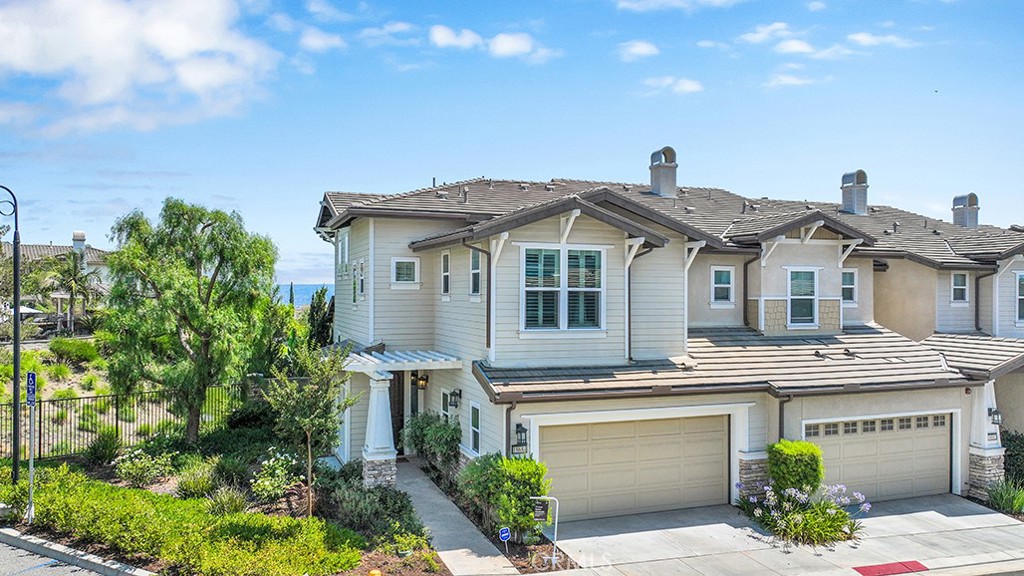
(460, 545)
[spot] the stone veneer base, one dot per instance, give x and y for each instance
(984, 471)
(380, 472)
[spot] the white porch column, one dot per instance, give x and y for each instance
(379, 450)
(986, 451)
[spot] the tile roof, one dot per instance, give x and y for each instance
(860, 359)
(31, 252)
(979, 355)
(713, 211)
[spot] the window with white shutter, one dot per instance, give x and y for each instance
(563, 289)
(803, 297)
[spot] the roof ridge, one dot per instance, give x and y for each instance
(434, 188)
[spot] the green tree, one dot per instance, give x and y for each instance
(319, 319)
(291, 294)
(68, 273)
(309, 404)
(185, 300)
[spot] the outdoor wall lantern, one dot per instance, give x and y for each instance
(453, 398)
(996, 416)
(521, 434)
(421, 382)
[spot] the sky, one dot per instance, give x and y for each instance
(260, 106)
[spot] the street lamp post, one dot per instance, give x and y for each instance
(10, 208)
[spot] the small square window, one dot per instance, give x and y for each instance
(849, 427)
(922, 421)
(867, 426)
(405, 272)
(905, 424)
(886, 425)
(721, 285)
(812, 430)
(939, 420)
(832, 429)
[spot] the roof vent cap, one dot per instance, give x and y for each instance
(965, 211)
(855, 192)
(663, 172)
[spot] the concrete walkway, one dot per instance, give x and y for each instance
(460, 545)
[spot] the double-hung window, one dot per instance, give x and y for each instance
(405, 273)
(446, 274)
(958, 294)
(341, 251)
(803, 298)
(722, 290)
(563, 289)
(474, 273)
(474, 428)
(849, 287)
(1020, 297)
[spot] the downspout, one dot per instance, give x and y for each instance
(629, 287)
(782, 415)
(487, 338)
(746, 287)
(977, 299)
(508, 427)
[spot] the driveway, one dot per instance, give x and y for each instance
(940, 533)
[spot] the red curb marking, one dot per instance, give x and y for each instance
(891, 568)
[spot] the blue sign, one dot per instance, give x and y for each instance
(504, 534)
(30, 392)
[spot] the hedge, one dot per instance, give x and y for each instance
(795, 464)
(74, 351)
(501, 488)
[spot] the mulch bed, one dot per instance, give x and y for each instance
(533, 558)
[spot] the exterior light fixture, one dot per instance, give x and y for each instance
(453, 398)
(520, 434)
(996, 416)
(421, 381)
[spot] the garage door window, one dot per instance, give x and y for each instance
(812, 430)
(849, 427)
(922, 421)
(867, 426)
(886, 425)
(905, 424)
(939, 420)
(832, 429)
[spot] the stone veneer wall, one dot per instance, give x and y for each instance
(984, 471)
(753, 477)
(776, 314)
(380, 472)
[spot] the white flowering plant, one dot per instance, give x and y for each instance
(276, 474)
(819, 517)
(140, 469)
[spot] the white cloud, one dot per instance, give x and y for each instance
(869, 39)
(707, 44)
(445, 37)
(141, 65)
(636, 49)
(834, 52)
(816, 6)
(316, 40)
(649, 5)
(766, 32)
(676, 85)
(16, 113)
(787, 80)
(794, 47)
(506, 44)
(324, 11)
(395, 33)
(282, 22)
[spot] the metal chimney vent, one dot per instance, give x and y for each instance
(855, 192)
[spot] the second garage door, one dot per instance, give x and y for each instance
(887, 458)
(616, 468)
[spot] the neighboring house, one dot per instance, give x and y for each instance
(646, 341)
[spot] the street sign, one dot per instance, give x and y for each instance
(540, 511)
(30, 392)
(504, 534)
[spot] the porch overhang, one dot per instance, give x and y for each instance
(380, 365)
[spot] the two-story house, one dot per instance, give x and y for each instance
(646, 341)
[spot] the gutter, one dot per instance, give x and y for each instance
(782, 415)
(746, 286)
(490, 287)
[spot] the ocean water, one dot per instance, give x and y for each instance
(304, 292)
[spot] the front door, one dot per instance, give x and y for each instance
(397, 393)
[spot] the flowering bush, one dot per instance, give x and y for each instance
(275, 475)
(819, 517)
(139, 469)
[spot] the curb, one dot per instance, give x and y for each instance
(67, 555)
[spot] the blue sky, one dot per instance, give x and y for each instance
(260, 106)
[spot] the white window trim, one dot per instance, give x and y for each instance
(789, 295)
(446, 296)
(1016, 288)
(966, 288)
(479, 268)
(856, 287)
(563, 329)
(405, 284)
(480, 421)
(445, 410)
(722, 304)
(341, 255)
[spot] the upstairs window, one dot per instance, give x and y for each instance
(341, 251)
(722, 291)
(849, 287)
(405, 273)
(1020, 296)
(553, 300)
(803, 298)
(474, 273)
(959, 288)
(446, 276)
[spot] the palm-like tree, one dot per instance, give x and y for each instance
(69, 274)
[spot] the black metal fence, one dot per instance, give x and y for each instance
(65, 427)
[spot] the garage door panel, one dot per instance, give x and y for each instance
(706, 424)
(612, 453)
(669, 473)
(901, 442)
(663, 427)
(550, 435)
(612, 430)
(860, 448)
(659, 448)
(566, 457)
(612, 479)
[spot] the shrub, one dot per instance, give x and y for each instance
(99, 365)
(819, 517)
(253, 413)
(105, 447)
(74, 351)
(60, 417)
(795, 464)
(88, 421)
(227, 500)
(1007, 496)
(126, 413)
(64, 394)
(377, 513)
(102, 405)
(144, 430)
(501, 487)
(89, 381)
(139, 469)
(1013, 461)
(275, 475)
(197, 480)
(436, 441)
(58, 372)
(59, 449)
(232, 471)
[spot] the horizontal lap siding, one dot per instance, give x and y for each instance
(949, 318)
(351, 319)
(461, 322)
(358, 384)
(658, 301)
(1008, 303)
(565, 350)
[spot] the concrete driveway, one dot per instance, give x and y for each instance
(939, 532)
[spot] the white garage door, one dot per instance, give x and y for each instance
(886, 458)
(616, 468)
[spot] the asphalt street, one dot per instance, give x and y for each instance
(15, 561)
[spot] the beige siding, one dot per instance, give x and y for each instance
(950, 316)
(658, 287)
(492, 423)
(351, 319)
(702, 312)
(1010, 400)
(460, 327)
(358, 384)
(1008, 323)
(514, 348)
(863, 311)
(901, 309)
(985, 304)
